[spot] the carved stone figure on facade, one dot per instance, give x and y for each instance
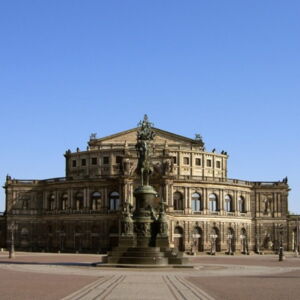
(157, 167)
(126, 166)
(199, 138)
(128, 208)
(270, 245)
(93, 136)
(267, 209)
(168, 167)
(162, 219)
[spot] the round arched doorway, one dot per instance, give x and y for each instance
(178, 238)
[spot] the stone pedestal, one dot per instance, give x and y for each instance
(135, 249)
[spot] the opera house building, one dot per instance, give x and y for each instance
(81, 211)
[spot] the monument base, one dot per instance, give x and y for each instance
(123, 255)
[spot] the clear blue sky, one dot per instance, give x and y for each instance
(229, 70)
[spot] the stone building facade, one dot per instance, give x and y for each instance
(81, 211)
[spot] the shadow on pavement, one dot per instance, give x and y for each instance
(77, 264)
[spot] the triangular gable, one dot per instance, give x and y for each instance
(130, 136)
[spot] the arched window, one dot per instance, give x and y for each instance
(51, 205)
(241, 204)
(196, 202)
(178, 201)
(114, 201)
(64, 201)
(228, 203)
(215, 238)
(197, 238)
(79, 201)
(96, 200)
(213, 203)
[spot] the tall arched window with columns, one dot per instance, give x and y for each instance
(213, 202)
(178, 201)
(64, 201)
(242, 204)
(114, 201)
(196, 202)
(228, 203)
(95, 201)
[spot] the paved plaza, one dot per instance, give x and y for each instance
(73, 276)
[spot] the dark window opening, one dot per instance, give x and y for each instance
(105, 160)
(198, 162)
(186, 160)
(73, 163)
(83, 162)
(94, 160)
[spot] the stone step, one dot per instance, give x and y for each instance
(136, 254)
(138, 260)
(145, 249)
(177, 260)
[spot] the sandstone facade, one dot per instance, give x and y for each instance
(81, 211)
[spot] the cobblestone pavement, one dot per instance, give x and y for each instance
(71, 276)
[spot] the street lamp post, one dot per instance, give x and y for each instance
(297, 238)
(12, 227)
(281, 254)
(213, 238)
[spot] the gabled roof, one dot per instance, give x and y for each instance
(130, 136)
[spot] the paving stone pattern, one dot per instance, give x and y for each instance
(71, 277)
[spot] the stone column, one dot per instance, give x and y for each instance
(221, 201)
(105, 199)
(179, 162)
(84, 198)
(56, 200)
(111, 170)
(185, 200)
(70, 198)
(235, 200)
(88, 198)
(205, 201)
